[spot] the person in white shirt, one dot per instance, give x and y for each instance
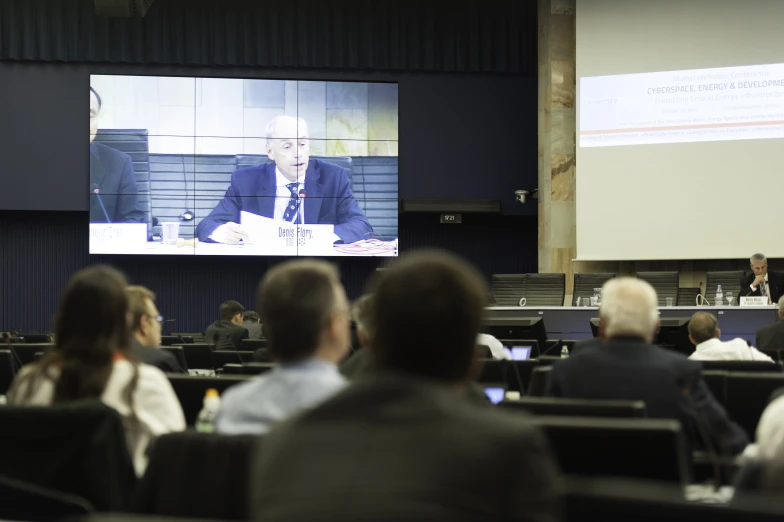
(704, 332)
(92, 360)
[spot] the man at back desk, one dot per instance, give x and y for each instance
(293, 188)
(762, 282)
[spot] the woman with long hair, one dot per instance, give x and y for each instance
(91, 360)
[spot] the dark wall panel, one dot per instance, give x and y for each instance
(39, 251)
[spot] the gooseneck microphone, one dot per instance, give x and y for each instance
(97, 192)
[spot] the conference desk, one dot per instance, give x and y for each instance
(373, 247)
(570, 322)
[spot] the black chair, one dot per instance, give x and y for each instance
(179, 353)
(192, 475)
(24, 501)
(172, 340)
(578, 407)
(190, 390)
(233, 369)
(220, 358)
(25, 353)
(545, 289)
(508, 289)
(717, 384)
(653, 449)
(729, 281)
(8, 368)
(501, 372)
(77, 448)
(539, 381)
(748, 395)
(251, 345)
(742, 366)
(585, 283)
(591, 499)
(34, 338)
(198, 356)
(665, 284)
(247, 368)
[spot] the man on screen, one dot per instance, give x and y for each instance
(114, 196)
(762, 282)
(293, 188)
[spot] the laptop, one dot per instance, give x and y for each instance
(495, 392)
(519, 353)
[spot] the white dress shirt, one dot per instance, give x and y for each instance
(770, 431)
(156, 407)
(495, 346)
(734, 350)
(283, 195)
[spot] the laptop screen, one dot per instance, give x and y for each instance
(519, 353)
(495, 395)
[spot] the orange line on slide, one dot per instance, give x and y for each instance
(685, 127)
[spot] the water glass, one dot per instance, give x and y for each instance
(669, 302)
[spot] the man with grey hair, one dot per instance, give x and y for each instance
(705, 334)
(771, 337)
(762, 282)
(628, 367)
(292, 188)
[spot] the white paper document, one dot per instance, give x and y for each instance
(281, 238)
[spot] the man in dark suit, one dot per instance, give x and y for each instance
(293, 188)
(227, 332)
(762, 282)
(252, 322)
(111, 177)
(771, 337)
(402, 442)
(146, 336)
(628, 367)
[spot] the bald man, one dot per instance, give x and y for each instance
(291, 188)
(705, 334)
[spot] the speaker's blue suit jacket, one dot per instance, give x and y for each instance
(328, 200)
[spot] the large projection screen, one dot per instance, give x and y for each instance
(680, 129)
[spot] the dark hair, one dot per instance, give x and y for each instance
(428, 309)
(297, 299)
(250, 315)
(91, 326)
(97, 96)
(229, 309)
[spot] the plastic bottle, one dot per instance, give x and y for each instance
(719, 299)
(205, 422)
(564, 352)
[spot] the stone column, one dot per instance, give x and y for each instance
(557, 243)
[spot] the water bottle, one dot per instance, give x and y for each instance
(719, 299)
(564, 352)
(205, 422)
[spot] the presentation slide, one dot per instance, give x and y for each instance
(230, 166)
(727, 103)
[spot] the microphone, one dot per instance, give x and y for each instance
(97, 192)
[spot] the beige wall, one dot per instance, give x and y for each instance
(557, 169)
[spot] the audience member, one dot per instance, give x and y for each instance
(402, 443)
(306, 319)
(146, 334)
(360, 362)
(770, 430)
(91, 360)
(628, 367)
(227, 332)
(705, 334)
(252, 322)
(771, 337)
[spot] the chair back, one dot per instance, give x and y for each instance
(193, 475)
(77, 449)
(178, 353)
(665, 284)
(748, 395)
(508, 289)
(198, 356)
(585, 283)
(578, 407)
(539, 381)
(742, 366)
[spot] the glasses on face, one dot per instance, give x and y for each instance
(158, 318)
